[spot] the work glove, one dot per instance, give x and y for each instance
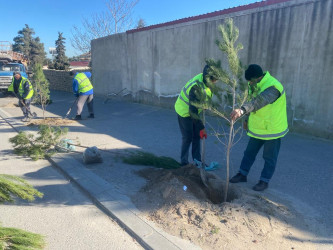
(203, 133)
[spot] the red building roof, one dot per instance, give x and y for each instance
(211, 14)
(79, 64)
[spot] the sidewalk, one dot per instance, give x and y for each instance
(304, 175)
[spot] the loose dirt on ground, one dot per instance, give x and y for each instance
(178, 202)
(9, 105)
(52, 121)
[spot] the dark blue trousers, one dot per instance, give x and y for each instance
(270, 155)
(25, 107)
(190, 135)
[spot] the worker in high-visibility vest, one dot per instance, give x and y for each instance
(190, 123)
(84, 91)
(266, 123)
(23, 90)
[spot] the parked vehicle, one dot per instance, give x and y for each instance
(10, 62)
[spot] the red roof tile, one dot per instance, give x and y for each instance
(211, 14)
(79, 63)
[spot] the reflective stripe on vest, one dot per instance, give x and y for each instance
(269, 122)
(182, 104)
(84, 84)
(21, 89)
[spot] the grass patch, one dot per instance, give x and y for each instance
(149, 159)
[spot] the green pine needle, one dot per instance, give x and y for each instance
(13, 186)
(13, 238)
(41, 146)
(148, 159)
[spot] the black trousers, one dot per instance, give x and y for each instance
(190, 135)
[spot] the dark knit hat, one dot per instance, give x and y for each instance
(16, 73)
(207, 72)
(72, 73)
(253, 71)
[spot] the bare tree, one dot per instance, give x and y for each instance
(117, 18)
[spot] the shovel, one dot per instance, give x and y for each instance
(203, 165)
(33, 114)
(70, 109)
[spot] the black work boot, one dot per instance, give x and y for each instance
(77, 117)
(238, 178)
(260, 186)
(91, 115)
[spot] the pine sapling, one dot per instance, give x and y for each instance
(231, 94)
(41, 85)
(40, 146)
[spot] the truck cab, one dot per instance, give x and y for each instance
(10, 62)
(6, 73)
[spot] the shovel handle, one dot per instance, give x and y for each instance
(203, 141)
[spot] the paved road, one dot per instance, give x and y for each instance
(304, 175)
(67, 218)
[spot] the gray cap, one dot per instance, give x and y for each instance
(16, 73)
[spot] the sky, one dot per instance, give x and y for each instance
(48, 17)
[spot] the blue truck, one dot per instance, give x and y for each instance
(10, 62)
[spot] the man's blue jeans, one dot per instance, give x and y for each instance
(270, 155)
(190, 135)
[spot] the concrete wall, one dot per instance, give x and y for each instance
(293, 40)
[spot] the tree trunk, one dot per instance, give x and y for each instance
(229, 145)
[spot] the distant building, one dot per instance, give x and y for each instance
(85, 57)
(79, 64)
(82, 62)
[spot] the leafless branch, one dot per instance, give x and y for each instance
(117, 18)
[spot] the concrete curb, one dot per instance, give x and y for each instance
(111, 201)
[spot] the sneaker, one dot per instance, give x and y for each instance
(91, 116)
(25, 119)
(77, 117)
(260, 186)
(238, 178)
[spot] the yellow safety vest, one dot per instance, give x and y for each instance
(269, 122)
(21, 89)
(84, 83)
(182, 105)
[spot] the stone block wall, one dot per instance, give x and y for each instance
(60, 79)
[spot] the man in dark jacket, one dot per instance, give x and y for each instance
(23, 90)
(266, 123)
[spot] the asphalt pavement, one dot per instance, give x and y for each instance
(303, 177)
